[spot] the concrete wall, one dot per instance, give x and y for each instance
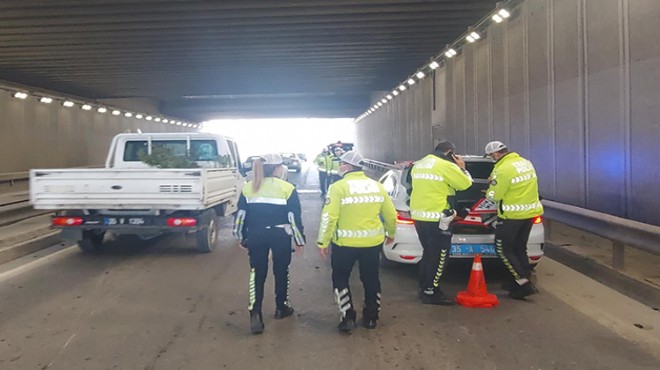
(37, 135)
(574, 85)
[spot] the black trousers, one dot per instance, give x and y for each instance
(322, 181)
(511, 238)
(259, 244)
(342, 260)
(436, 244)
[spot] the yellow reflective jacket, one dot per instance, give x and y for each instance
(321, 161)
(332, 164)
(433, 180)
(352, 213)
(515, 187)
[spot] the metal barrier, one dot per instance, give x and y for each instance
(622, 232)
(14, 176)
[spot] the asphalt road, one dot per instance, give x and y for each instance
(161, 305)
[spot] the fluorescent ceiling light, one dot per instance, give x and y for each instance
(420, 75)
(149, 118)
(411, 81)
(139, 116)
(86, 107)
(450, 53)
(68, 104)
(402, 87)
(102, 110)
(473, 36)
(128, 114)
(389, 97)
(116, 112)
(46, 100)
(157, 119)
(395, 92)
(383, 101)
(20, 95)
(504, 13)
(166, 121)
(434, 65)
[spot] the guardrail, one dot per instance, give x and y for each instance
(620, 231)
(14, 176)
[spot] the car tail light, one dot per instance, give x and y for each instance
(404, 218)
(181, 221)
(538, 220)
(407, 258)
(535, 258)
(67, 221)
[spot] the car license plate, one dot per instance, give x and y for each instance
(134, 221)
(469, 250)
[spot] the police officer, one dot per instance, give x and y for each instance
(351, 226)
(514, 187)
(333, 162)
(268, 217)
(435, 180)
(321, 162)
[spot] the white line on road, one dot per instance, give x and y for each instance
(617, 312)
(34, 260)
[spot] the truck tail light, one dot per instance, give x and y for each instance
(181, 221)
(407, 258)
(538, 220)
(67, 221)
(403, 218)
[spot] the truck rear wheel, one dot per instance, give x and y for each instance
(92, 241)
(207, 237)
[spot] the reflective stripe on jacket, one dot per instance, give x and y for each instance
(275, 204)
(433, 180)
(321, 161)
(352, 213)
(514, 185)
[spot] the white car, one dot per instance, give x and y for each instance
(472, 231)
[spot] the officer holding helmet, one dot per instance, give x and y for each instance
(351, 226)
(514, 186)
(268, 217)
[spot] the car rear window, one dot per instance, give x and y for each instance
(479, 170)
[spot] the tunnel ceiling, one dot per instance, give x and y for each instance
(213, 59)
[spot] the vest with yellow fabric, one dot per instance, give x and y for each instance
(433, 180)
(321, 161)
(332, 164)
(514, 186)
(352, 213)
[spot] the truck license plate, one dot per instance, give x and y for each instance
(135, 221)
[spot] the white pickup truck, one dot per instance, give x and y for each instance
(129, 196)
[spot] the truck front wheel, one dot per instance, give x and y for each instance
(207, 237)
(92, 241)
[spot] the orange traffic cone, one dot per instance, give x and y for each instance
(476, 295)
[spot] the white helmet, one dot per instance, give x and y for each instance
(352, 157)
(494, 146)
(272, 158)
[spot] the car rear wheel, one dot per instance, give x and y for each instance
(92, 241)
(207, 237)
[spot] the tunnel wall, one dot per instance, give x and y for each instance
(37, 135)
(574, 85)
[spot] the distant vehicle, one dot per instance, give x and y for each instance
(472, 232)
(303, 157)
(292, 161)
(248, 162)
(130, 197)
(345, 146)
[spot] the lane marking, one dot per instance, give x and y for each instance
(34, 260)
(606, 306)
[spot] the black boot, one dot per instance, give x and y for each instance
(437, 298)
(522, 291)
(348, 322)
(283, 312)
(256, 323)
